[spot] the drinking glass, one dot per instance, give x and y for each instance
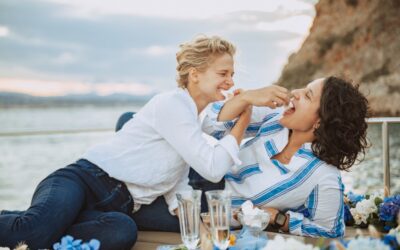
(189, 217)
(219, 206)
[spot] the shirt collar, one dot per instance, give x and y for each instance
(278, 142)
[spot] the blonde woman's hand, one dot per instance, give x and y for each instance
(271, 96)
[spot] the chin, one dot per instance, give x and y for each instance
(220, 97)
(283, 122)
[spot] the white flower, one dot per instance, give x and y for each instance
(367, 244)
(363, 210)
(279, 243)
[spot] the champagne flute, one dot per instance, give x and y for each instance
(189, 217)
(219, 206)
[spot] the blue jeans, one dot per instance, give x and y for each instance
(80, 200)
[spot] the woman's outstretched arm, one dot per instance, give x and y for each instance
(271, 96)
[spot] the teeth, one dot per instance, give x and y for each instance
(291, 105)
(225, 93)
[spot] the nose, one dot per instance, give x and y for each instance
(229, 81)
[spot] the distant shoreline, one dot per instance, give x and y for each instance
(69, 105)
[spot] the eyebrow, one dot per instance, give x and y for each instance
(225, 70)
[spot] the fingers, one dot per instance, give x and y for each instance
(237, 91)
(283, 97)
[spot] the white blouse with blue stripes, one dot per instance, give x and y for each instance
(308, 189)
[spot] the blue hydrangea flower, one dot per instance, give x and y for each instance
(347, 214)
(354, 198)
(68, 243)
(388, 211)
(391, 241)
(395, 199)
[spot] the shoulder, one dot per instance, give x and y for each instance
(324, 169)
(177, 98)
(176, 104)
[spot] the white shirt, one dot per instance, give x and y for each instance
(153, 151)
(308, 189)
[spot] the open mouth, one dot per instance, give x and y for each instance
(224, 92)
(290, 109)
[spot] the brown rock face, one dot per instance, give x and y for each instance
(355, 39)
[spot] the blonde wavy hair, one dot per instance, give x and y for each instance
(199, 54)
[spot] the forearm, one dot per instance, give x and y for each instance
(239, 128)
(233, 107)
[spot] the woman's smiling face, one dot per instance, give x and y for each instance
(216, 78)
(303, 114)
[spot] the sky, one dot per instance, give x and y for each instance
(61, 47)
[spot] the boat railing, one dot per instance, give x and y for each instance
(385, 121)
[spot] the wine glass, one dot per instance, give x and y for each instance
(219, 206)
(189, 217)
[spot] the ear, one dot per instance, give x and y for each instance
(193, 75)
(316, 124)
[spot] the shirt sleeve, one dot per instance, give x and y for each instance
(180, 127)
(218, 129)
(324, 216)
(170, 197)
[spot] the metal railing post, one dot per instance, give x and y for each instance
(385, 158)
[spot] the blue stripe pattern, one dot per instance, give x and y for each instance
(283, 187)
(243, 173)
(218, 134)
(305, 153)
(316, 231)
(282, 169)
(271, 149)
(312, 203)
(266, 129)
(270, 128)
(216, 107)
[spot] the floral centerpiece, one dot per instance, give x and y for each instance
(364, 210)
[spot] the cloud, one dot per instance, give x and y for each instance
(175, 9)
(295, 24)
(65, 58)
(56, 88)
(4, 31)
(155, 50)
(137, 44)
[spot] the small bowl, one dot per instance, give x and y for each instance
(261, 220)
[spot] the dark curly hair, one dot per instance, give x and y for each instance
(342, 132)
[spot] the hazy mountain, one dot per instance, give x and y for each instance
(10, 99)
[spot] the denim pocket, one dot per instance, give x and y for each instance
(107, 202)
(109, 194)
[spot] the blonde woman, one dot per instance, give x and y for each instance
(100, 195)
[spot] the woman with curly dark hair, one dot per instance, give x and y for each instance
(291, 165)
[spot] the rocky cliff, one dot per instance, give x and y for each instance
(356, 39)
